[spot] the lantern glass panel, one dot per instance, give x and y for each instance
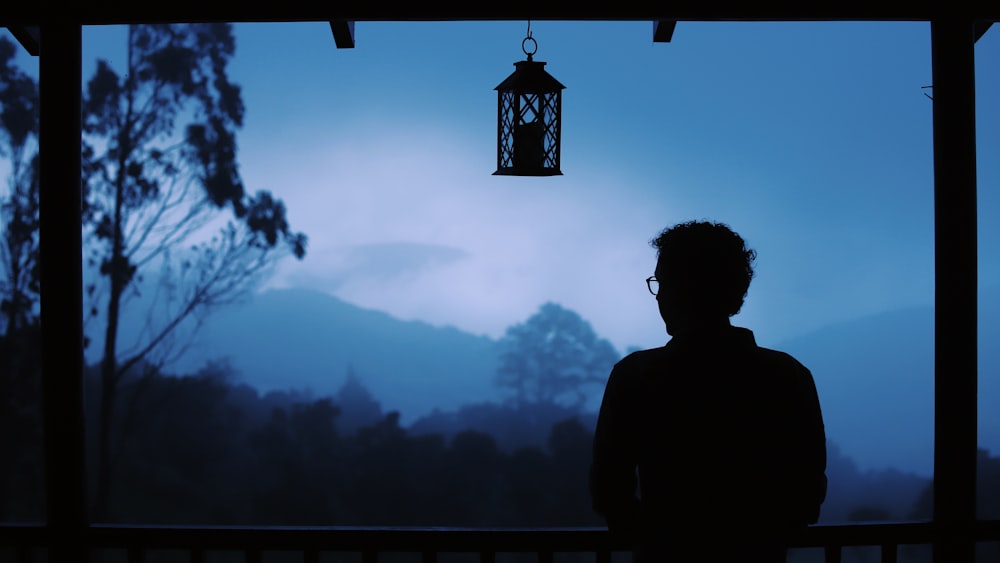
(505, 141)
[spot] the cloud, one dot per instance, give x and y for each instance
(409, 220)
(380, 264)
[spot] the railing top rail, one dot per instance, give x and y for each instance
(445, 539)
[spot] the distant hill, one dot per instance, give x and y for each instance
(875, 377)
(306, 339)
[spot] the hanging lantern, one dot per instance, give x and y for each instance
(529, 118)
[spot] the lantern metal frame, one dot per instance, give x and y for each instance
(529, 119)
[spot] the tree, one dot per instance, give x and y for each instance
(553, 357)
(358, 407)
(152, 193)
(571, 444)
(20, 354)
(19, 206)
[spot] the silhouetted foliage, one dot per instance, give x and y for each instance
(151, 188)
(512, 427)
(868, 514)
(19, 204)
(21, 453)
(854, 494)
(206, 450)
(209, 450)
(554, 357)
(358, 408)
(21, 487)
(987, 491)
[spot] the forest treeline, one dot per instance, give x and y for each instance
(201, 449)
(206, 449)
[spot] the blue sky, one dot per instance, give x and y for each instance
(813, 140)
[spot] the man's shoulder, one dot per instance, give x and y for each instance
(640, 358)
(777, 357)
(782, 368)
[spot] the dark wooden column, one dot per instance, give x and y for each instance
(955, 271)
(60, 259)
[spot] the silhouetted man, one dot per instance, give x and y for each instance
(709, 448)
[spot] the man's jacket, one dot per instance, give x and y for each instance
(709, 433)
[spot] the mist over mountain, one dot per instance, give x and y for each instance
(874, 374)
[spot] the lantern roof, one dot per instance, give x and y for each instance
(530, 76)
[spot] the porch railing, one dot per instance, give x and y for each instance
(25, 541)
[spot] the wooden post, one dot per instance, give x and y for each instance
(955, 299)
(61, 291)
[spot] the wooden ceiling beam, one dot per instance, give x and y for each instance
(97, 12)
(343, 33)
(663, 30)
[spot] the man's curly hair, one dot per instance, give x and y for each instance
(710, 263)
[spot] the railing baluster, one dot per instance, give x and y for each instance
(889, 553)
(832, 554)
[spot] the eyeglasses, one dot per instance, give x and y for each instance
(653, 285)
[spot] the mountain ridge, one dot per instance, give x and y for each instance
(323, 337)
(874, 374)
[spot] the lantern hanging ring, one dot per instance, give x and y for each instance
(524, 46)
(524, 43)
